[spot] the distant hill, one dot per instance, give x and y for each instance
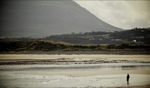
(136, 39)
(43, 18)
(136, 35)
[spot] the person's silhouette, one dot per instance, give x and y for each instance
(128, 76)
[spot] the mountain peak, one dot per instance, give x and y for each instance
(44, 18)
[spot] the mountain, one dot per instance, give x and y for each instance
(44, 18)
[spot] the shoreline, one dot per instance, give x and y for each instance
(63, 59)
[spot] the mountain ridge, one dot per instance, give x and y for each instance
(41, 19)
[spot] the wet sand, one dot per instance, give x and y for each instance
(70, 75)
(39, 76)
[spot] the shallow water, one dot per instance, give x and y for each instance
(76, 67)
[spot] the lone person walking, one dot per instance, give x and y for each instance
(128, 76)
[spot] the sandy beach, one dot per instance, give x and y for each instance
(74, 56)
(71, 72)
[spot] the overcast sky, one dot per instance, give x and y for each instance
(125, 14)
